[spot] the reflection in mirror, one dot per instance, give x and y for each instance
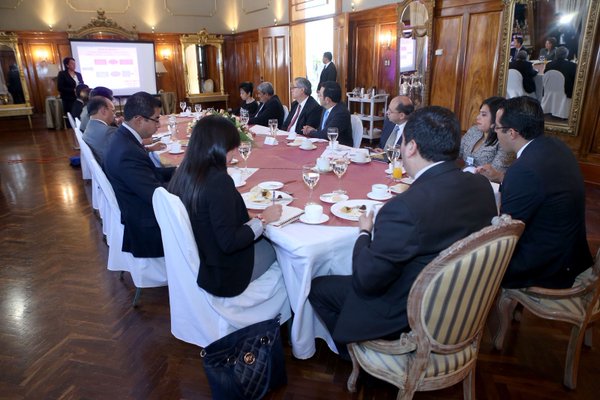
(555, 39)
(414, 53)
(14, 97)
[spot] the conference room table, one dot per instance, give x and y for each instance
(304, 251)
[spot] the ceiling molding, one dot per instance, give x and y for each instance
(106, 6)
(186, 13)
(259, 7)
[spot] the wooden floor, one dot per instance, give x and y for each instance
(68, 331)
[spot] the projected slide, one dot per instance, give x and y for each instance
(124, 67)
(407, 55)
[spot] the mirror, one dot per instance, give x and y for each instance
(572, 23)
(203, 66)
(14, 97)
(414, 50)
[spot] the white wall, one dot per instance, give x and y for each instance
(241, 15)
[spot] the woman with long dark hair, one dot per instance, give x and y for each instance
(232, 250)
(479, 146)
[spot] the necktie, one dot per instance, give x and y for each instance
(325, 118)
(293, 122)
(393, 136)
(259, 109)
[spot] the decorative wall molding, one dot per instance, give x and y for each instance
(182, 9)
(101, 24)
(301, 5)
(110, 6)
(10, 4)
(257, 5)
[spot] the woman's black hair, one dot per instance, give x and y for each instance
(212, 137)
(66, 61)
(493, 104)
(247, 87)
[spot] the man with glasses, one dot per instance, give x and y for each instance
(305, 109)
(134, 177)
(397, 114)
(543, 188)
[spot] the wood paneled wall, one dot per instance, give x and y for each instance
(371, 63)
(169, 45)
(241, 62)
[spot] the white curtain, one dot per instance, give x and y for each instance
(579, 7)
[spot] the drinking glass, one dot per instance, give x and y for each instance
(392, 152)
(245, 149)
(310, 177)
(183, 106)
(172, 127)
(244, 116)
(273, 126)
(339, 166)
(198, 107)
(332, 134)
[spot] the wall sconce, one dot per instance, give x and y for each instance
(50, 27)
(352, 6)
(41, 55)
(165, 54)
(275, 21)
(385, 39)
(160, 68)
(152, 29)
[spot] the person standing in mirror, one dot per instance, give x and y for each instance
(67, 81)
(329, 72)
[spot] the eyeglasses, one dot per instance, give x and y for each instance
(155, 120)
(501, 129)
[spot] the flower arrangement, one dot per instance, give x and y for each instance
(245, 134)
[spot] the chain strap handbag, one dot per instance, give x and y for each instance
(246, 363)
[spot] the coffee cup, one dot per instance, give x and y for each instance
(323, 164)
(360, 156)
(306, 144)
(236, 175)
(291, 136)
(379, 190)
(175, 147)
(313, 212)
(166, 139)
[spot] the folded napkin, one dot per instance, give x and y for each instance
(265, 130)
(288, 215)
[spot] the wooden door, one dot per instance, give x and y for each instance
(275, 60)
(340, 49)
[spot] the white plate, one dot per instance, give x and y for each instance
(233, 161)
(176, 152)
(399, 187)
(366, 161)
(242, 183)
(270, 185)
(371, 195)
(294, 144)
(340, 209)
(307, 148)
(324, 218)
(256, 200)
(333, 198)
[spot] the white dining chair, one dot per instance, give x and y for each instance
(286, 112)
(357, 130)
(555, 100)
(514, 85)
(84, 156)
(198, 317)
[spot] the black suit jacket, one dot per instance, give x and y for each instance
(544, 189)
(568, 69)
(66, 87)
(134, 177)
(513, 51)
(328, 74)
(225, 244)
(339, 117)
(527, 71)
(388, 127)
(310, 115)
(271, 110)
(409, 232)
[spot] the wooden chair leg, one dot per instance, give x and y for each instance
(138, 291)
(505, 310)
(351, 385)
(573, 354)
(469, 385)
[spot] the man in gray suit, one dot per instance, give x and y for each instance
(99, 128)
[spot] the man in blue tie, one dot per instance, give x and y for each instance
(335, 115)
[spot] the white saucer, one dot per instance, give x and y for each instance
(372, 196)
(176, 152)
(333, 198)
(366, 161)
(294, 144)
(324, 218)
(242, 183)
(307, 148)
(270, 185)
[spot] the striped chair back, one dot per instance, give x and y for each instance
(450, 300)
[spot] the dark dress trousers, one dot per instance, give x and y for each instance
(309, 115)
(569, 71)
(442, 206)
(66, 87)
(225, 244)
(339, 117)
(134, 177)
(328, 74)
(272, 109)
(544, 189)
(527, 71)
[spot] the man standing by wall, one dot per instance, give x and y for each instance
(329, 72)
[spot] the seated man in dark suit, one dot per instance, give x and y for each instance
(82, 92)
(544, 189)
(134, 177)
(335, 115)
(270, 106)
(305, 109)
(565, 67)
(409, 232)
(517, 47)
(526, 69)
(399, 109)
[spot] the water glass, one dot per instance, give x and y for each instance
(273, 126)
(183, 106)
(310, 177)
(339, 167)
(245, 149)
(244, 116)
(332, 135)
(198, 107)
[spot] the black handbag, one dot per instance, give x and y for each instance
(246, 363)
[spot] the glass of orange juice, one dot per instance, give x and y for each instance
(397, 171)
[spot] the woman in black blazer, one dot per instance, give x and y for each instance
(232, 250)
(67, 81)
